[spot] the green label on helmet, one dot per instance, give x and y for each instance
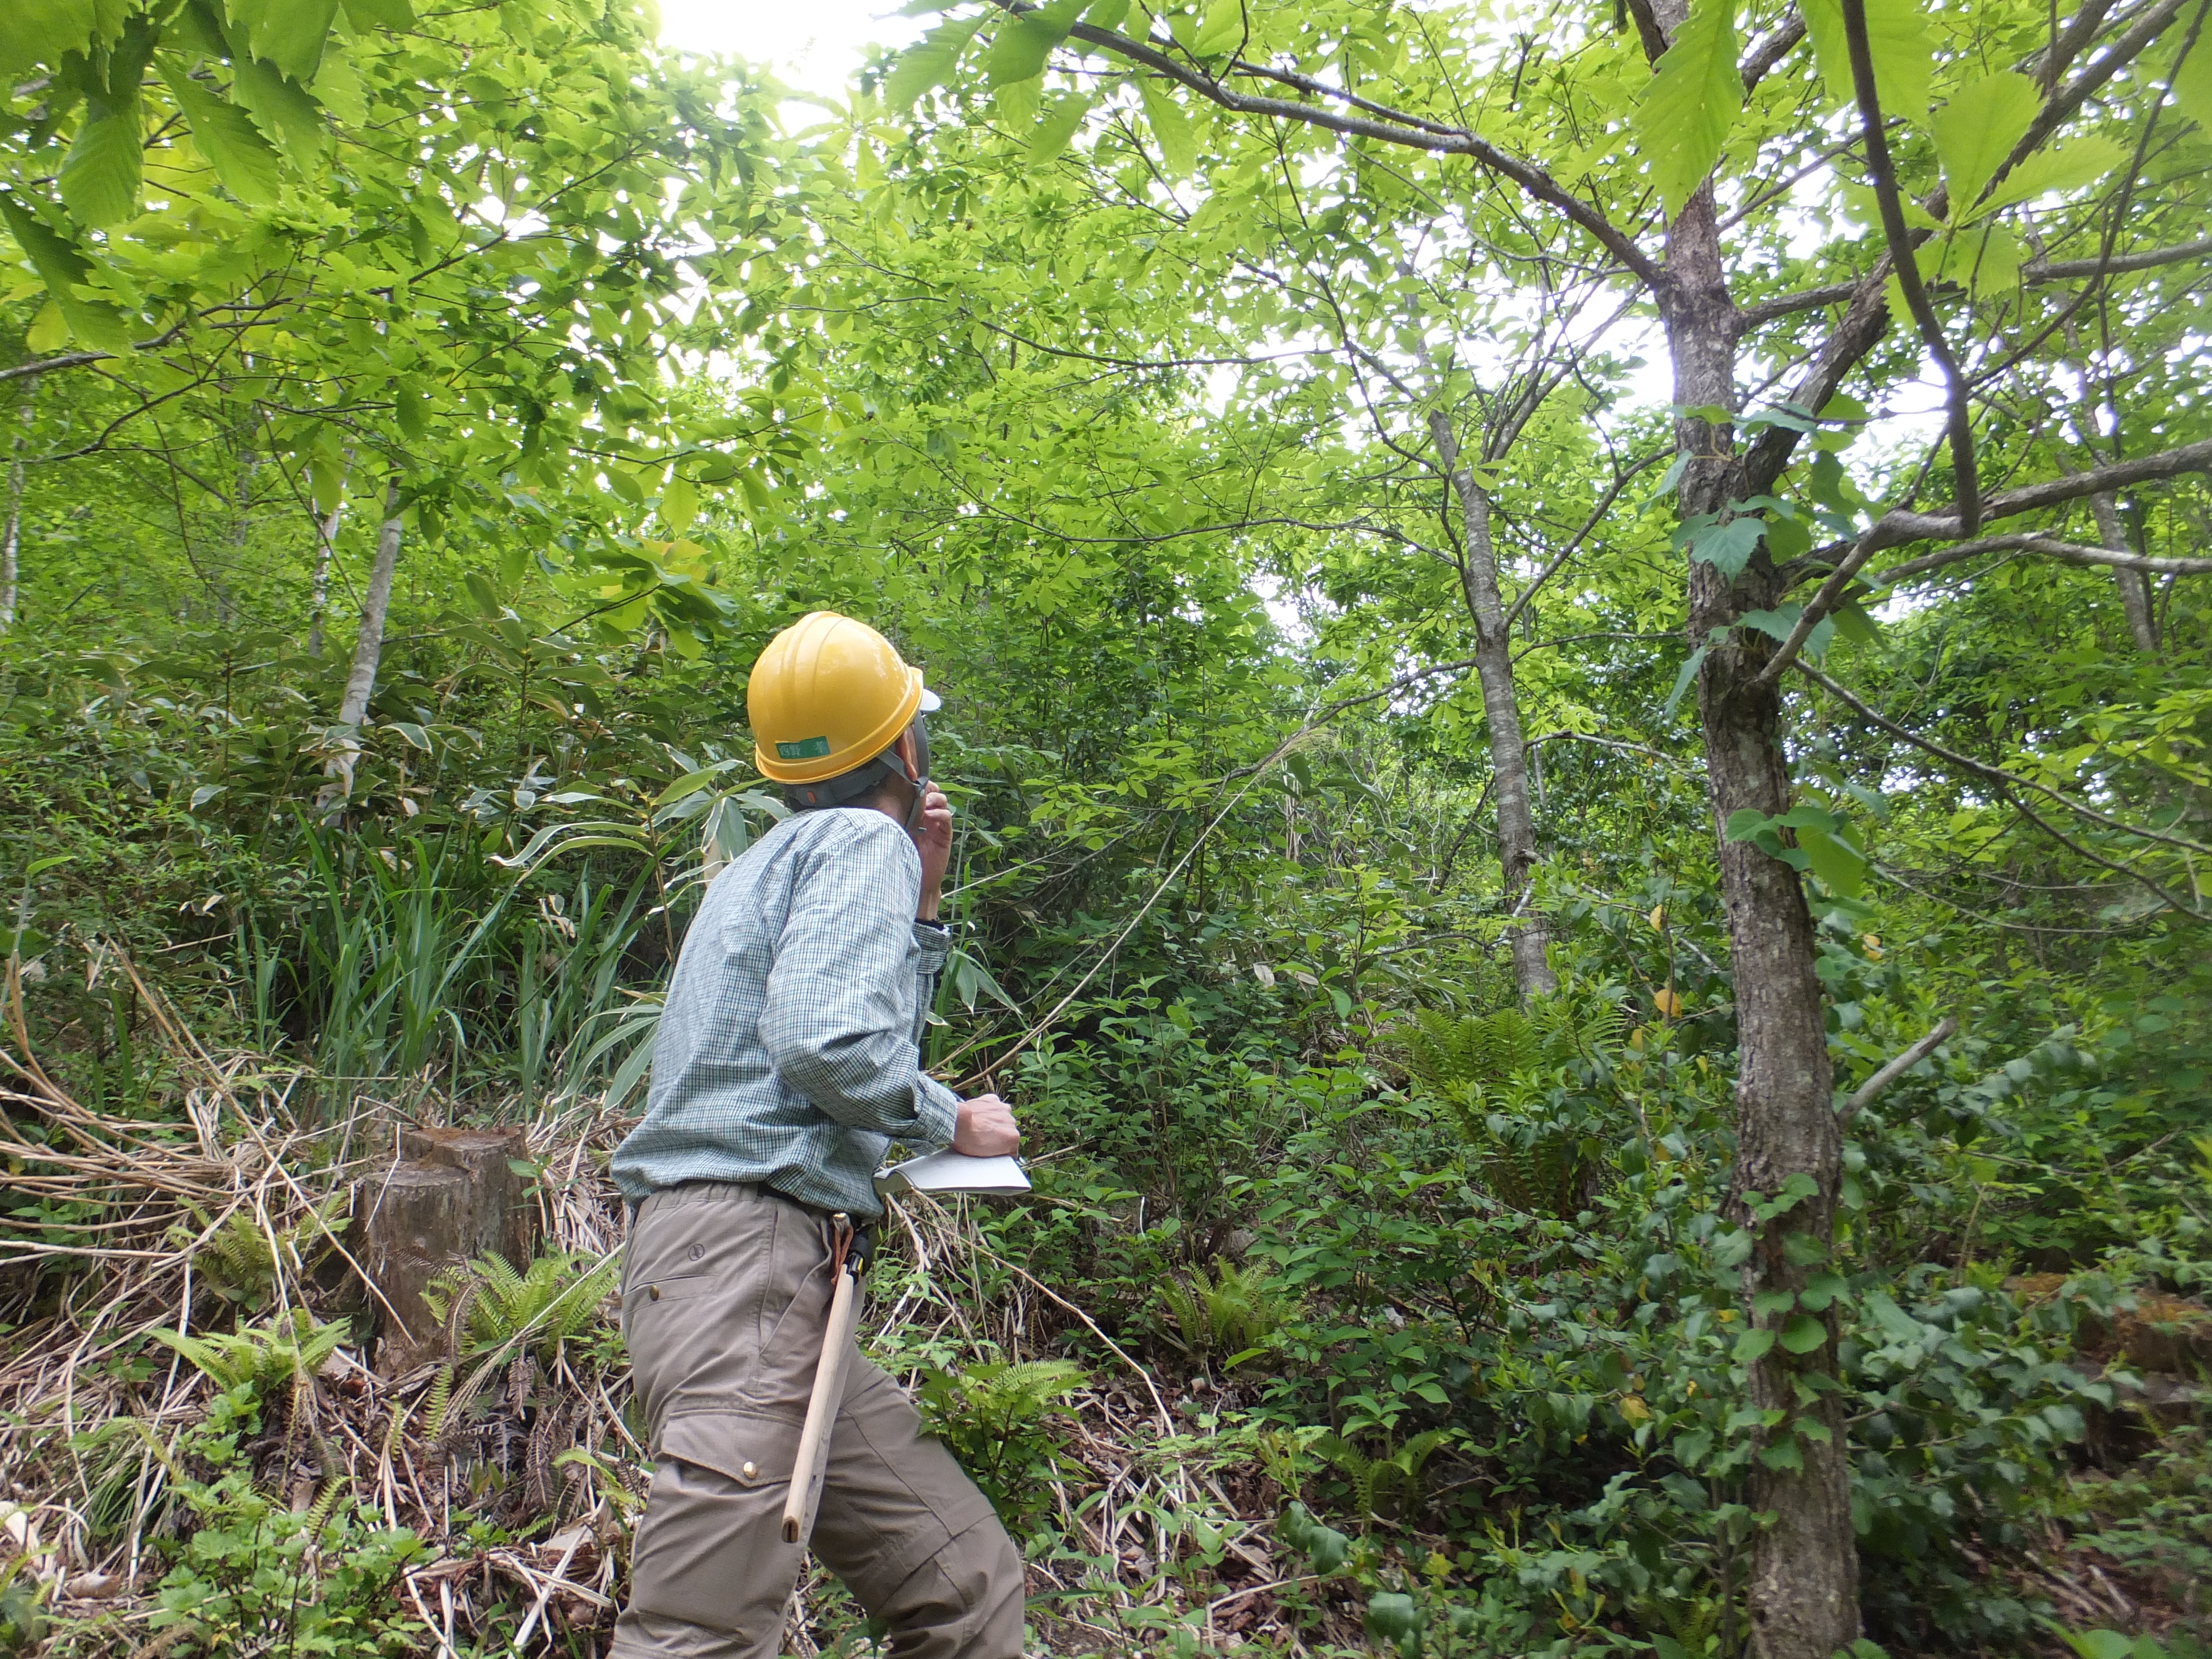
(805, 749)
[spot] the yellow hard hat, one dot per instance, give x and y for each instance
(828, 694)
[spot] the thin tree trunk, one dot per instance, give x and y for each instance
(1803, 1591)
(1509, 749)
(11, 541)
(2136, 597)
(326, 536)
(375, 602)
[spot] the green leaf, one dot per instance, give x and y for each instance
(1728, 547)
(1752, 1346)
(33, 33)
(1171, 128)
(1060, 122)
(2080, 163)
(1782, 1455)
(2100, 1644)
(281, 108)
(2190, 84)
(245, 162)
(1804, 1334)
(366, 14)
(289, 33)
(928, 63)
(1221, 29)
(1840, 865)
(1106, 14)
(61, 266)
(1688, 673)
(481, 590)
(102, 172)
(337, 86)
(1975, 129)
(1694, 100)
(1897, 35)
(1023, 45)
(679, 505)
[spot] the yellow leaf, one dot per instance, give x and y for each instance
(1658, 917)
(1634, 1408)
(1668, 1003)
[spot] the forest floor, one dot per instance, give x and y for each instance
(485, 1502)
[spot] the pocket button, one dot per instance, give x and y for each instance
(653, 1291)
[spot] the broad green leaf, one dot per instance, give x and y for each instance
(337, 86)
(2190, 85)
(1023, 45)
(1975, 129)
(40, 32)
(1171, 128)
(364, 14)
(61, 266)
(1728, 547)
(1840, 865)
(1691, 103)
(1898, 39)
(679, 505)
(281, 108)
(244, 161)
(49, 329)
(928, 63)
(2080, 163)
(1221, 30)
(100, 175)
(1751, 1346)
(1804, 1334)
(2100, 1644)
(1106, 14)
(1060, 122)
(289, 33)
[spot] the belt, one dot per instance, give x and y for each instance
(863, 1232)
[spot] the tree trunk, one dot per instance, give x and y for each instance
(1803, 1594)
(1509, 749)
(11, 541)
(375, 602)
(2134, 585)
(326, 536)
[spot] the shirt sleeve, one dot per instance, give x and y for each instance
(841, 1015)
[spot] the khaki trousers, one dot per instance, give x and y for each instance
(726, 1290)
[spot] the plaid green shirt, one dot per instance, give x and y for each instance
(789, 1052)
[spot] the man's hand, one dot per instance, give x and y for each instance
(933, 839)
(987, 1128)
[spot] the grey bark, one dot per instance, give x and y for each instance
(11, 541)
(326, 536)
(1803, 1593)
(1508, 748)
(375, 603)
(2136, 598)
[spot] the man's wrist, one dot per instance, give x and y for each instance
(927, 908)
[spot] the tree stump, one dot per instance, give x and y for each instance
(453, 1196)
(501, 1220)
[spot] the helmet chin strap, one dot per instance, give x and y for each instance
(919, 777)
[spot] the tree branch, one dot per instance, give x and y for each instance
(2064, 552)
(1386, 125)
(1896, 528)
(1882, 170)
(2006, 781)
(1868, 1092)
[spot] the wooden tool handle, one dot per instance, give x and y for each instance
(806, 1471)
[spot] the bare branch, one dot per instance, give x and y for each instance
(2049, 548)
(1871, 1090)
(1882, 172)
(1764, 54)
(1896, 527)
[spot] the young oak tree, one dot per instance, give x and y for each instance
(2002, 159)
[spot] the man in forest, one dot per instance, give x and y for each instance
(788, 1061)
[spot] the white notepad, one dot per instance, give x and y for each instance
(954, 1172)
